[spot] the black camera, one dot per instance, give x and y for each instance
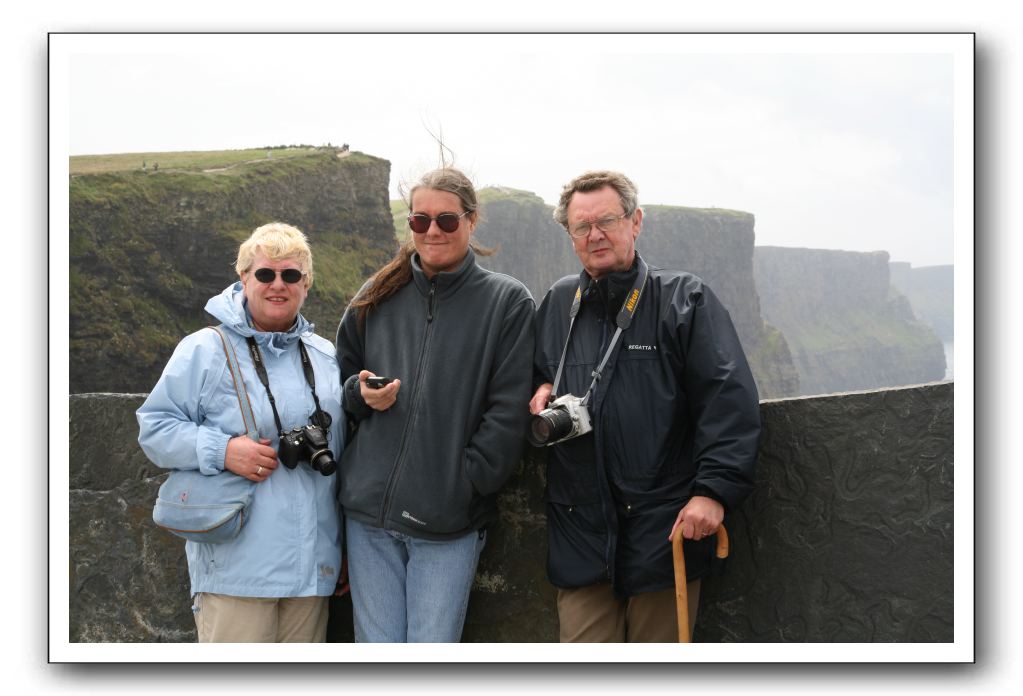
(565, 418)
(307, 443)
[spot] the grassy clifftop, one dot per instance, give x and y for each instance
(148, 249)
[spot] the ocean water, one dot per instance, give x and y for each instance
(948, 360)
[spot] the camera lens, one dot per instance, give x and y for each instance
(323, 461)
(549, 426)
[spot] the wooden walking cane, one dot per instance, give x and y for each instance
(681, 593)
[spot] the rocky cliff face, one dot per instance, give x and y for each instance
(148, 250)
(529, 245)
(716, 245)
(847, 328)
(930, 291)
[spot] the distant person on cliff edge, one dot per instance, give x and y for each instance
(436, 353)
(271, 582)
(649, 358)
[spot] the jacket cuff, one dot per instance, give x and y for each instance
(700, 489)
(211, 448)
(352, 401)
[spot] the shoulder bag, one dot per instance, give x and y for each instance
(204, 508)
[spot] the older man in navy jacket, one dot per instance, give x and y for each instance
(675, 423)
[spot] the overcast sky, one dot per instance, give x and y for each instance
(831, 142)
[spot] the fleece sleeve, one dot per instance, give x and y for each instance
(350, 346)
(496, 447)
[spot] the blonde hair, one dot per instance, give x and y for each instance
(276, 240)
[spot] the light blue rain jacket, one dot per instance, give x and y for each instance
(290, 545)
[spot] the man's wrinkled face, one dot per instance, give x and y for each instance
(606, 250)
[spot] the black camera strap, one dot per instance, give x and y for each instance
(622, 322)
(307, 369)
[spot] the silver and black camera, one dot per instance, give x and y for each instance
(565, 418)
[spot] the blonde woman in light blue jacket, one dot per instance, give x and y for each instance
(272, 582)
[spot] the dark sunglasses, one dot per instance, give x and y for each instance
(288, 275)
(420, 222)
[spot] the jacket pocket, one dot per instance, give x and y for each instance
(576, 542)
(432, 496)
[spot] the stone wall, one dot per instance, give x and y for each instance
(847, 537)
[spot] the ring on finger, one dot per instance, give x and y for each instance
(259, 471)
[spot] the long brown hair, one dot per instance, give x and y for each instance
(398, 271)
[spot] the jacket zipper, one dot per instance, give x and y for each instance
(413, 409)
(607, 507)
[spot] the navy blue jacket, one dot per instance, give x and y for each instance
(676, 414)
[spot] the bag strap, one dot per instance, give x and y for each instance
(239, 386)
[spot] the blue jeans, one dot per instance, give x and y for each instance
(408, 590)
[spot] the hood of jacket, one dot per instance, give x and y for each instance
(232, 309)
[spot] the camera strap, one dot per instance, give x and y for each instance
(307, 369)
(622, 322)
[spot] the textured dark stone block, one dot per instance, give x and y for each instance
(511, 599)
(104, 449)
(847, 537)
(129, 579)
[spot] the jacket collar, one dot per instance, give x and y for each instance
(231, 308)
(610, 290)
(446, 282)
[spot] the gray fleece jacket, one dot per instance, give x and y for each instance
(462, 345)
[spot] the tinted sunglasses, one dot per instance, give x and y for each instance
(448, 222)
(288, 275)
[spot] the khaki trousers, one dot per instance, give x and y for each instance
(228, 619)
(594, 615)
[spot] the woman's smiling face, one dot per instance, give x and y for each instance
(274, 305)
(441, 251)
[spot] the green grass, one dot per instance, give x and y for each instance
(858, 328)
(399, 211)
(503, 193)
(178, 161)
(713, 211)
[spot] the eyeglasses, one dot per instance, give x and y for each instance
(607, 225)
(420, 222)
(288, 275)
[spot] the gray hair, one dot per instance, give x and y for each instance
(593, 181)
